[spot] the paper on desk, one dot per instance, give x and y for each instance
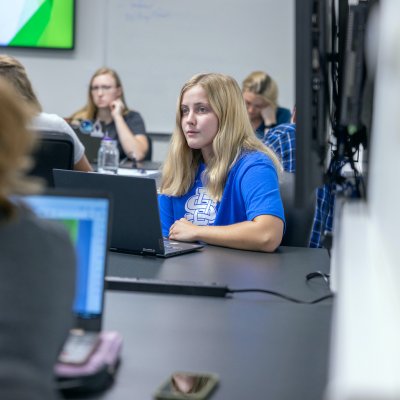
(138, 172)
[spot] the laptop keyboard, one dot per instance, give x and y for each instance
(169, 246)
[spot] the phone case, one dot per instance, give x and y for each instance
(97, 373)
(78, 348)
(165, 391)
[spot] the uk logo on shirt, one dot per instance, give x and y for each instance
(200, 208)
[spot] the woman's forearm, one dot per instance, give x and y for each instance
(132, 144)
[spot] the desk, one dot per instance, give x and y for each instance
(261, 347)
(283, 271)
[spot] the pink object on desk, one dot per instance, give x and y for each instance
(107, 354)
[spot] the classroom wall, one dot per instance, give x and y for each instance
(156, 45)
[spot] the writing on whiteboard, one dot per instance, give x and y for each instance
(144, 10)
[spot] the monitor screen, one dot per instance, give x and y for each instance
(37, 23)
(86, 220)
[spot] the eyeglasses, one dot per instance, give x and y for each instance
(103, 88)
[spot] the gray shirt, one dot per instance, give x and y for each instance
(37, 269)
(135, 123)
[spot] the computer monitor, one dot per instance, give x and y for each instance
(330, 93)
(356, 97)
(313, 94)
(86, 217)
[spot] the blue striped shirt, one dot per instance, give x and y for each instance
(282, 140)
(323, 217)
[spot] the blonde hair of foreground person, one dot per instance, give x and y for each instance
(235, 135)
(16, 144)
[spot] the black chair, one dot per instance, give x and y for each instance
(298, 220)
(54, 150)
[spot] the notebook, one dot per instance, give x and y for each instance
(136, 219)
(87, 219)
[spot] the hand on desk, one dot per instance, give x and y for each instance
(183, 230)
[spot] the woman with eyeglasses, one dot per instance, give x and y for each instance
(106, 104)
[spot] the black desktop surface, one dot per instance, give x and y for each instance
(262, 347)
(284, 271)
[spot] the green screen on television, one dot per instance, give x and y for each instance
(37, 23)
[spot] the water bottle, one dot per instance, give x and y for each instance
(108, 156)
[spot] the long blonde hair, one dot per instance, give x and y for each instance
(16, 144)
(14, 72)
(89, 111)
(235, 135)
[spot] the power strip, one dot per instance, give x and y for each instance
(169, 287)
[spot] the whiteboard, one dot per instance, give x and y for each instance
(157, 45)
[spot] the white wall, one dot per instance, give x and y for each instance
(156, 45)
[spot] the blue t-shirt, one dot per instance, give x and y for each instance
(251, 189)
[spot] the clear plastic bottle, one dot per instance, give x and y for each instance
(108, 156)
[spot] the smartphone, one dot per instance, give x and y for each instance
(187, 385)
(78, 347)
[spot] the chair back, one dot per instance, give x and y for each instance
(54, 150)
(298, 220)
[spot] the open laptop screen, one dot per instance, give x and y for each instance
(86, 219)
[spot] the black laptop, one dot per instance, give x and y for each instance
(87, 219)
(91, 143)
(136, 219)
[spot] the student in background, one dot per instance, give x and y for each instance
(260, 93)
(282, 140)
(14, 72)
(37, 267)
(219, 182)
(106, 104)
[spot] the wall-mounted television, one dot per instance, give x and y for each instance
(44, 24)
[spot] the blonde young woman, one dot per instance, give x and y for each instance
(219, 182)
(14, 72)
(106, 104)
(37, 267)
(260, 93)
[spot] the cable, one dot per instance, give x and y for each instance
(318, 274)
(309, 276)
(281, 295)
(191, 288)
